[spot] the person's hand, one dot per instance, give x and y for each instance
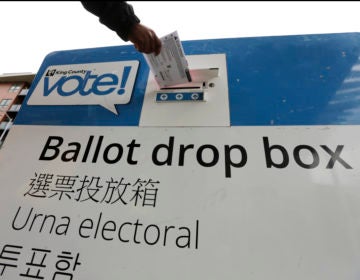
(144, 39)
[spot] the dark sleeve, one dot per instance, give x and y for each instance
(119, 16)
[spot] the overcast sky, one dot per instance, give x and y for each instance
(31, 30)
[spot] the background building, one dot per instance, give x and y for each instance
(13, 89)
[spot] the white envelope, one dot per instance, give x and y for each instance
(170, 67)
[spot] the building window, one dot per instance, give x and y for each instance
(14, 88)
(4, 103)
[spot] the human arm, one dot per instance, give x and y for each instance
(119, 16)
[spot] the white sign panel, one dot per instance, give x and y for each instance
(204, 203)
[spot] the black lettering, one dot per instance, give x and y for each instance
(73, 154)
(15, 218)
(52, 224)
(335, 156)
(118, 153)
(87, 149)
(228, 161)
(182, 153)
(131, 147)
(97, 149)
(135, 231)
(199, 155)
(108, 229)
(169, 148)
(156, 237)
(268, 149)
(186, 237)
(313, 152)
(33, 221)
(119, 233)
(97, 225)
(165, 234)
(53, 147)
(86, 227)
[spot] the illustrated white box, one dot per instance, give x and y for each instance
(214, 111)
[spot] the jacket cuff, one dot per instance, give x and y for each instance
(124, 32)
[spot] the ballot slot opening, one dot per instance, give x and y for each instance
(191, 91)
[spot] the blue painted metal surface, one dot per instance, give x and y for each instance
(275, 80)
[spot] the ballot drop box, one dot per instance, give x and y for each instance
(249, 171)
